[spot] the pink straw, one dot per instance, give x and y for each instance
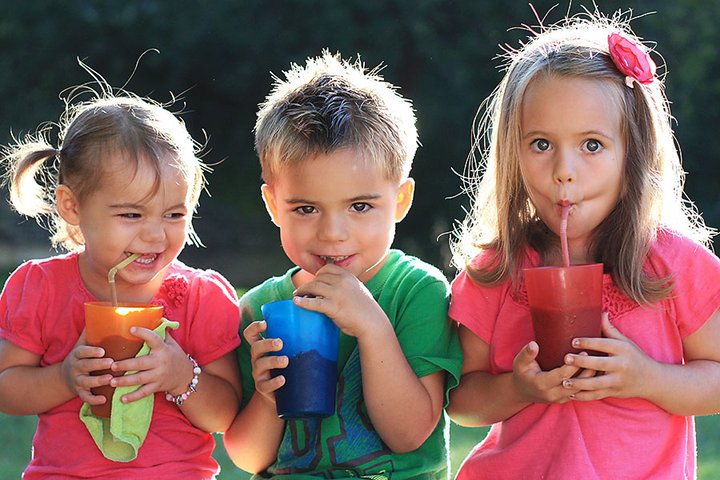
(563, 235)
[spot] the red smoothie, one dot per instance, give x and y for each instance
(555, 329)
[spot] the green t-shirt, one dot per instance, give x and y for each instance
(414, 296)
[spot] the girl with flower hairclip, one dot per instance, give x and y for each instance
(580, 124)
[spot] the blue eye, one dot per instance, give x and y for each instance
(593, 146)
(541, 145)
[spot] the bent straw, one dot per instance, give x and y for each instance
(113, 271)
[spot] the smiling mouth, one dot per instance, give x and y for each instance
(146, 259)
(329, 259)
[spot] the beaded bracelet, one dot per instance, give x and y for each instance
(192, 386)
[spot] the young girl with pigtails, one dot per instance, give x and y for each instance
(581, 119)
(124, 179)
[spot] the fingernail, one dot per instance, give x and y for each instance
(572, 397)
(575, 342)
(567, 383)
(277, 343)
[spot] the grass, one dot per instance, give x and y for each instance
(18, 432)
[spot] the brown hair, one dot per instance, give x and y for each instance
(141, 130)
(330, 104)
(503, 219)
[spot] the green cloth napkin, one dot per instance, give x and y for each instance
(119, 437)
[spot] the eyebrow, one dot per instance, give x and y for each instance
(359, 198)
(587, 133)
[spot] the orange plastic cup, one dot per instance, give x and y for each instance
(109, 327)
(565, 303)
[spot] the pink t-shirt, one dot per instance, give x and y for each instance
(41, 310)
(612, 438)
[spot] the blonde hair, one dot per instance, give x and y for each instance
(138, 129)
(331, 104)
(503, 220)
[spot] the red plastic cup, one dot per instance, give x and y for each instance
(565, 303)
(109, 327)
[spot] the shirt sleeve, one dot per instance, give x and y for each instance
(427, 336)
(216, 318)
(21, 303)
(475, 306)
(695, 273)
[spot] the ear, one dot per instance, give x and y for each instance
(67, 205)
(404, 199)
(268, 196)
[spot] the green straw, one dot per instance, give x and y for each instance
(113, 271)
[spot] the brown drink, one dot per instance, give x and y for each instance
(108, 326)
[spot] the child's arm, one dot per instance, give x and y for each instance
(253, 440)
(689, 389)
(166, 368)
(403, 408)
(26, 388)
(483, 398)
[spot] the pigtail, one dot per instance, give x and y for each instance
(30, 177)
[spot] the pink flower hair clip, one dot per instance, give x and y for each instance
(631, 60)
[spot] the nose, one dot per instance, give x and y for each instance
(153, 232)
(332, 228)
(564, 171)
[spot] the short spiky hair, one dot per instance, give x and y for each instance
(331, 104)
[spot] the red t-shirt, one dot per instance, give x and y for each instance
(41, 310)
(604, 439)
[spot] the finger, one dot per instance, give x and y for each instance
(252, 332)
(141, 392)
(265, 346)
(316, 303)
(609, 330)
(265, 364)
(87, 382)
(270, 385)
(85, 352)
(528, 354)
(602, 382)
(151, 338)
(590, 362)
(88, 397)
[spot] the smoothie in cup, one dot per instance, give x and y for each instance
(108, 326)
(310, 341)
(565, 303)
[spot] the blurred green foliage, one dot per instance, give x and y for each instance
(218, 57)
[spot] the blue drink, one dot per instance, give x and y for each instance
(310, 341)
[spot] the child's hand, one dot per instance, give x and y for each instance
(165, 369)
(341, 296)
(625, 368)
(76, 369)
(537, 386)
(262, 363)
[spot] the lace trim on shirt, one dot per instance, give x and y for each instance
(615, 302)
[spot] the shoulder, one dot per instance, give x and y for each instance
(673, 253)
(47, 270)
(274, 288)
(403, 268)
(206, 281)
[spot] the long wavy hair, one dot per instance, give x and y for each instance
(503, 220)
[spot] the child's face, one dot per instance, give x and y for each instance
(572, 150)
(337, 208)
(122, 217)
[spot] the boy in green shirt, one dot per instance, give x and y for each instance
(336, 145)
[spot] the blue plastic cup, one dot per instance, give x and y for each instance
(310, 341)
